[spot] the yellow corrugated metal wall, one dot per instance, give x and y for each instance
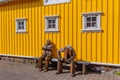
(89, 46)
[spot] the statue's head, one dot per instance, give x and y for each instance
(68, 46)
(48, 42)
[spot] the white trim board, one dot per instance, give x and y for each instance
(8, 55)
(105, 64)
(55, 2)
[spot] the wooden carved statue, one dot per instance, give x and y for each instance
(69, 55)
(46, 56)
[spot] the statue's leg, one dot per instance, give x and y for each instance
(40, 65)
(47, 63)
(59, 66)
(72, 68)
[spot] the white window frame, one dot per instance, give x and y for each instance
(20, 19)
(55, 2)
(46, 24)
(91, 29)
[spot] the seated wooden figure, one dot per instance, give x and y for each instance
(69, 55)
(46, 56)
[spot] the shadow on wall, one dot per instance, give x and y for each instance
(54, 50)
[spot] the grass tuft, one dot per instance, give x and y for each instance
(117, 73)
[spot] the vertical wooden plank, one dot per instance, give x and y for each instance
(79, 29)
(36, 29)
(84, 37)
(24, 46)
(27, 29)
(119, 30)
(20, 34)
(62, 25)
(66, 24)
(33, 35)
(89, 34)
(74, 24)
(0, 32)
(110, 31)
(16, 35)
(119, 33)
(5, 30)
(9, 30)
(43, 23)
(55, 34)
(58, 11)
(46, 14)
(40, 28)
(99, 39)
(116, 25)
(94, 42)
(105, 29)
(13, 29)
(70, 37)
(30, 31)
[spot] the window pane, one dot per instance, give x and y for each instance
(22, 23)
(88, 19)
(49, 26)
(46, 0)
(53, 21)
(19, 27)
(19, 23)
(49, 21)
(94, 24)
(53, 25)
(88, 25)
(94, 19)
(22, 27)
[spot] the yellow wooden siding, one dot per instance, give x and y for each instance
(118, 31)
(0, 34)
(89, 46)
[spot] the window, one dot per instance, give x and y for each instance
(48, 2)
(51, 23)
(91, 21)
(21, 25)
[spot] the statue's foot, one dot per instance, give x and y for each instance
(45, 70)
(72, 75)
(58, 73)
(36, 66)
(40, 70)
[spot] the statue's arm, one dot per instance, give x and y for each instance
(48, 47)
(59, 52)
(73, 55)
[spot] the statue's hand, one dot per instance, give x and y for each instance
(67, 60)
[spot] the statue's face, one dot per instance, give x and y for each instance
(48, 42)
(66, 50)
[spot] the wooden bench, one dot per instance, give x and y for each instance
(83, 63)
